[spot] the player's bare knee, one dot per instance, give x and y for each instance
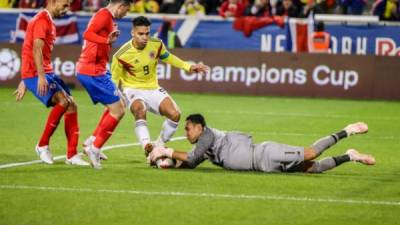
(175, 116)
(138, 112)
(118, 112)
(72, 106)
(121, 112)
(310, 153)
(63, 101)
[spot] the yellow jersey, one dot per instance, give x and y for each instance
(136, 68)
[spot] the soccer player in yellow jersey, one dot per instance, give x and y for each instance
(134, 71)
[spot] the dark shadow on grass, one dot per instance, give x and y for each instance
(383, 177)
(135, 162)
(140, 165)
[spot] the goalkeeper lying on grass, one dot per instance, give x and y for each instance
(236, 151)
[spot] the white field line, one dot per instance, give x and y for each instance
(204, 195)
(106, 148)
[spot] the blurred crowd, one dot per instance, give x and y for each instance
(385, 9)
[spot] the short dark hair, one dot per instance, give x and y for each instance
(141, 21)
(196, 119)
(320, 26)
(125, 2)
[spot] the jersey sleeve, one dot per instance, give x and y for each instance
(117, 70)
(198, 154)
(95, 25)
(40, 29)
(169, 58)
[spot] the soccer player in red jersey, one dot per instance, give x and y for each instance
(38, 77)
(101, 32)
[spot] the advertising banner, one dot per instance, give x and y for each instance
(249, 73)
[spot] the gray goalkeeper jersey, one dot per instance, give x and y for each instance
(231, 150)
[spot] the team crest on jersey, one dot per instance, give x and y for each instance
(52, 86)
(136, 61)
(152, 55)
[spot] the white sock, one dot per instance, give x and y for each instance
(169, 128)
(92, 138)
(89, 140)
(142, 132)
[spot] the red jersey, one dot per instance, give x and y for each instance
(236, 9)
(40, 27)
(96, 49)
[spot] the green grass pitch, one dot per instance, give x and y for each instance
(127, 191)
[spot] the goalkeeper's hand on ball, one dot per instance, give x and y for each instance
(159, 152)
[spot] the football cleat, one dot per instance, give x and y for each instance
(356, 128)
(102, 155)
(361, 158)
(76, 160)
(90, 141)
(94, 156)
(44, 154)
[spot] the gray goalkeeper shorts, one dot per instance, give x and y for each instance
(276, 157)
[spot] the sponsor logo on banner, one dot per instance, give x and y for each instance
(9, 64)
(321, 75)
(249, 73)
(386, 47)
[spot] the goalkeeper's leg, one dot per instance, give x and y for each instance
(324, 143)
(332, 162)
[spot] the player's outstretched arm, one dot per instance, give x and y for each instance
(167, 152)
(179, 63)
(20, 92)
(180, 157)
(199, 68)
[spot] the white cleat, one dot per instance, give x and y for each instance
(102, 155)
(356, 128)
(94, 156)
(44, 154)
(88, 142)
(361, 158)
(76, 160)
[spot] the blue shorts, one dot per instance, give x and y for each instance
(55, 85)
(100, 88)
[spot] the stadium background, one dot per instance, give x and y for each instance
(360, 55)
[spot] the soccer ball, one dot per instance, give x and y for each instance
(165, 163)
(9, 64)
